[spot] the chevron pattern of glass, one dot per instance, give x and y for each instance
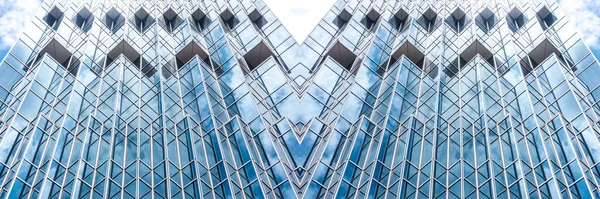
(215, 99)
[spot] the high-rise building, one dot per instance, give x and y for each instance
(215, 99)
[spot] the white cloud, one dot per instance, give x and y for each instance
(583, 14)
(14, 14)
(300, 17)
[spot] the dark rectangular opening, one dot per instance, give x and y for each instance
(546, 18)
(429, 20)
(53, 18)
(401, 20)
(370, 19)
(125, 49)
(409, 51)
(114, 20)
(476, 48)
(516, 19)
(415, 56)
(342, 19)
(142, 20)
(257, 18)
(486, 20)
(84, 19)
(342, 55)
(61, 55)
(170, 20)
(538, 55)
(257, 55)
(190, 51)
(229, 19)
(458, 20)
(198, 20)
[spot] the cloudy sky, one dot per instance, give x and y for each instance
(13, 16)
(584, 15)
(299, 17)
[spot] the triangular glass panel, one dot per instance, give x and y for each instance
(300, 172)
(53, 18)
(300, 125)
(546, 18)
(142, 20)
(516, 19)
(458, 20)
(170, 20)
(84, 19)
(486, 20)
(113, 20)
(429, 20)
(147, 68)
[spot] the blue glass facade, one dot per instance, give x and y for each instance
(215, 99)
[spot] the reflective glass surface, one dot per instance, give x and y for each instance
(384, 99)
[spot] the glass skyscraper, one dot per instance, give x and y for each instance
(215, 99)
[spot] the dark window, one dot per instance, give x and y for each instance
(476, 48)
(414, 55)
(342, 19)
(184, 56)
(170, 20)
(409, 51)
(546, 18)
(113, 20)
(84, 19)
(370, 19)
(538, 55)
(486, 20)
(198, 20)
(257, 18)
(401, 20)
(125, 49)
(342, 55)
(458, 20)
(429, 20)
(229, 19)
(190, 51)
(257, 55)
(516, 19)
(468, 55)
(142, 20)
(53, 18)
(61, 55)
